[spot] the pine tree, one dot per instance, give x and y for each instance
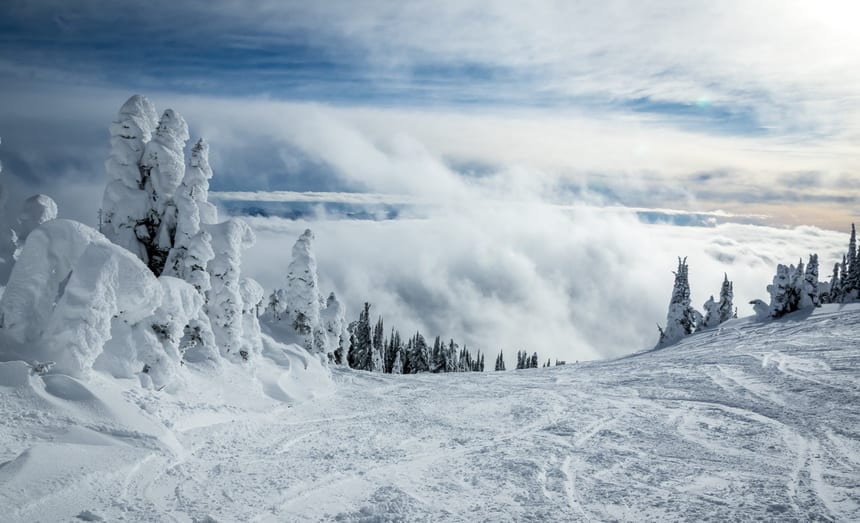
(420, 356)
(808, 286)
(835, 287)
(437, 358)
(681, 319)
(192, 247)
(125, 203)
(726, 308)
(500, 361)
(363, 341)
(406, 356)
(224, 304)
(853, 288)
(163, 168)
(534, 361)
(378, 347)
(450, 357)
(336, 330)
(397, 364)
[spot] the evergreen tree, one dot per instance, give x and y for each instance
(853, 287)
(224, 303)
(125, 203)
(451, 357)
(394, 347)
(420, 357)
(500, 361)
(363, 343)
(808, 286)
(437, 358)
(378, 347)
(163, 166)
(192, 246)
(835, 287)
(681, 319)
(397, 364)
(726, 308)
(534, 361)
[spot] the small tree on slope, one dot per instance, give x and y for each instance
(681, 319)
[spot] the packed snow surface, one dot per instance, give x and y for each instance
(751, 421)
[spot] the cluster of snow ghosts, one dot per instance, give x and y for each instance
(683, 320)
(797, 287)
(14, 228)
(162, 285)
(299, 313)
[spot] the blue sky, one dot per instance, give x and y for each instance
(631, 103)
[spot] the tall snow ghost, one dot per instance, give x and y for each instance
(336, 332)
(164, 166)
(302, 294)
(252, 298)
(224, 302)
(681, 319)
(126, 203)
(192, 246)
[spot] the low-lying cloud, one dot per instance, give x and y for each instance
(570, 284)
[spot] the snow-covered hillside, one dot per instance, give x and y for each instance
(753, 421)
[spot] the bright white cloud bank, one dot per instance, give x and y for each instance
(577, 284)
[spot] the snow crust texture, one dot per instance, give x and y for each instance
(752, 421)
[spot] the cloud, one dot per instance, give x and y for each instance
(570, 284)
(512, 255)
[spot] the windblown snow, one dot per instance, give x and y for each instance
(750, 421)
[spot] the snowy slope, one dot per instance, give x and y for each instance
(753, 421)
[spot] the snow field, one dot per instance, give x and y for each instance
(750, 421)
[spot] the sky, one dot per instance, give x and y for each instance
(471, 162)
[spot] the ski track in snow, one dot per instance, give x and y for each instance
(752, 421)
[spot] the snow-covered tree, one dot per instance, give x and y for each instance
(397, 365)
(808, 287)
(419, 357)
(334, 323)
(224, 304)
(712, 313)
(379, 346)
(35, 211)
(361, 349)
(835, 286)
(163, 166)
(717, 312)
(727, 306)
(784, 297)
(251, 293)
(191, 247)
(853, 284)
(681, 319)
(126, 203)
(302, 295)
